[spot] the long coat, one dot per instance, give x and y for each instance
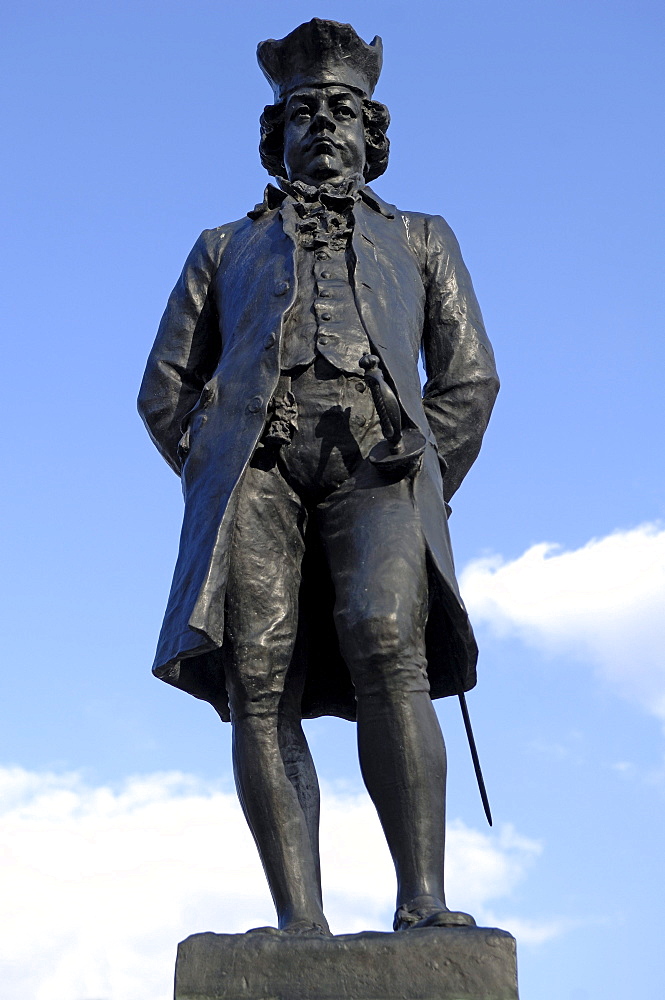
(211, 374)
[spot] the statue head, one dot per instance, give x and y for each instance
(323, 125)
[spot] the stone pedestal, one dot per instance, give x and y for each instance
(451, 963)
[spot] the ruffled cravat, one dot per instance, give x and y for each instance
(325, 212)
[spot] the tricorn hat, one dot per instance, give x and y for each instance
(320, 52)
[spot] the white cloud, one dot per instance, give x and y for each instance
(98, 885)
(604, 602)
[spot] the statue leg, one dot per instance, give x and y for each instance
(274, 772)
(377, 556)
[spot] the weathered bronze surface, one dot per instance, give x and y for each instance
(315, 573)
(442, 963)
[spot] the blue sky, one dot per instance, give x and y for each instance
(535, 128)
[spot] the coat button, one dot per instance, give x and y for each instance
(270, 341)
(281, 287)
(360, 420)
(361, 386)
(254, 404)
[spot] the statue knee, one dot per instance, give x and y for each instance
(255, 681)
(383, 656)
(369, 638)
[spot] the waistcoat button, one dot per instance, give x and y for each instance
(325, 316)
(326, 274)
(322, 255)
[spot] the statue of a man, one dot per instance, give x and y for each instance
(310, 580)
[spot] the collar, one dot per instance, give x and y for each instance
(273, 198)
(346, 190)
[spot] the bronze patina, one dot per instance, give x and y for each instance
(315, 573)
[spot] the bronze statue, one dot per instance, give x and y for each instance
(315, 573)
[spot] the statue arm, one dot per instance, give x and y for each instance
(185, 352)
(462, 382)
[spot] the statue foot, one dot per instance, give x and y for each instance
(306, 928)
(297, 928)
(429, 912)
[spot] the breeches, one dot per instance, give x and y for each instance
(372, 539)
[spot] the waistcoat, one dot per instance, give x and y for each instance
(324, 318)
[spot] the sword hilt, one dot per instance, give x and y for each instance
(400, 454)
(385, 401)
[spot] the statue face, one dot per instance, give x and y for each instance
(324, 135)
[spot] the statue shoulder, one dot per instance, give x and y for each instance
(433, 242)
(432, 231)
(212, 242)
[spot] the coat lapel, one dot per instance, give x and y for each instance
(391, 297)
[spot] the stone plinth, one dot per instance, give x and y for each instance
(437, 963)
